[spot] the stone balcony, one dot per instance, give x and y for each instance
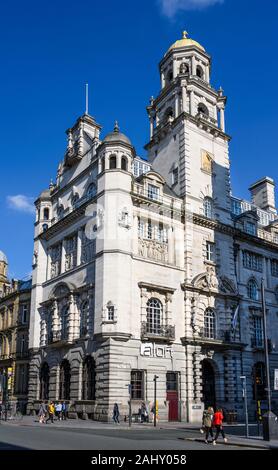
(159, 333)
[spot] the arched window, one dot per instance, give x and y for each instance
(91, 190)
(46, 214)
(168, 115)
(44, 227)
(84, 319)
(154, 316)
(199, 72)
(208, 207)
(44, 381)
(112, 162)
(102, 164)
(89, 379)
(209, 324)
(64, 323)
(64, 382)
(202, 109)
(252, 290)
(259, 381)
(124, 163)
(169, 76)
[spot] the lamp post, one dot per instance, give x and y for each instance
(244, 394)
(270, 427)
(155, 411)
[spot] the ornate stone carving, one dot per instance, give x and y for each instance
(227, 286)
(207, 280)
(153, 250)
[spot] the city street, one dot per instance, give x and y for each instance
(103, 437)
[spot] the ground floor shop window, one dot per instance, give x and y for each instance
(137, 385)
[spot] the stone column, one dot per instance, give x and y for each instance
(71, 318)
(207, 72)
(91, 323)
(183, 99)
(63, 256)
(222, 119)
(55, 318)
(81, 139)
(194, 68)
(151, 127)
(54, 382)
(176, 105)
(79, 246)
(192, 102)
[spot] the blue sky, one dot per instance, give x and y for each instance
(49, 50)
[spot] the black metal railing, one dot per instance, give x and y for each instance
(159, 331)
(226, 336)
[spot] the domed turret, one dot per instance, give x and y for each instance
(117, 136)
(185, 42)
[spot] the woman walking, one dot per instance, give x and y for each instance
(218, 423)
(207, 422)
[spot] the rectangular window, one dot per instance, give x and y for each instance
(111, 312)
(56, 252)
(24, 313)
(88, 245)
(252, 261)
(274, 267)
(150, 230)
(175, 176)
(71, 253)
(140, 228)
(236, 207)
(153, 192)
(250, 228)
(209, 251)
(258, 332)
(137, 385)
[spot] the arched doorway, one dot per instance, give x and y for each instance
(88, 379)
(208, 380)
(44, 381)
(64, 392)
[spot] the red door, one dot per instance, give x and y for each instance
(172, 395)
(173, 402)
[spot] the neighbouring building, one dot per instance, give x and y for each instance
(15, 298)
(152, 268)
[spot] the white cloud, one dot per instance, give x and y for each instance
(21, 203)
(171, 7)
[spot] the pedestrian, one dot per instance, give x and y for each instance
(58, 410)
(51, 411)
(218, 423)
(144, 413)
(207, 422)
(64, 410)
(42, 412)
(116, 414)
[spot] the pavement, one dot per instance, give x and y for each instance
(180, 431)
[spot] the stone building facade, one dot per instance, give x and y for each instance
(15, 299)
(152, 268)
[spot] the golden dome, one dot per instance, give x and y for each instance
(185, 42)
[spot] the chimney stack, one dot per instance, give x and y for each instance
(263, 194)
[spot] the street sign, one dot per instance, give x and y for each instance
(275, 379)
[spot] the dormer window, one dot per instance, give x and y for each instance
(250, 228)
(175, 176)
(153, 192)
